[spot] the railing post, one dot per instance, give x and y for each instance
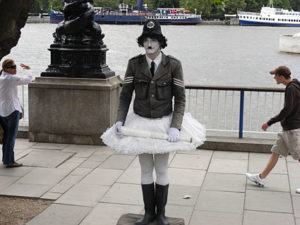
(241, 114)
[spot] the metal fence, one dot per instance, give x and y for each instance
(235, 111)
(225, 111)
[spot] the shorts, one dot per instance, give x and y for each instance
(288, 142)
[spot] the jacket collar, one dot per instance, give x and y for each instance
(161, 70)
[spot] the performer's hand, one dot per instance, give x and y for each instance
(173, 134)
(117, 129)
(265, 126)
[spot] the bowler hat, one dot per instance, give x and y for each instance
(281, 71)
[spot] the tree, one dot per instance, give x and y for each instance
(285, 4)
(107, 3)
(35, 8)
(56, 5)
(295, 4)
(232, 6)
(253, 6)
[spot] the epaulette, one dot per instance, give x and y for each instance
(136, 57)
(172, 57)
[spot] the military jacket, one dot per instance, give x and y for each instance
(153, 95)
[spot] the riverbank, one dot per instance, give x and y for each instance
(46, 19)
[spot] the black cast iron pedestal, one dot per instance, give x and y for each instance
(78, 61)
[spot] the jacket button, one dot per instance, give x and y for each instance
(152, 82)
(152, 96)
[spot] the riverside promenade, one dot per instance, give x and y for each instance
(92, 185)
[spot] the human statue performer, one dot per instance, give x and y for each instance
(79, 25)
(157, 80)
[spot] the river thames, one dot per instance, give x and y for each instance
(210, 54)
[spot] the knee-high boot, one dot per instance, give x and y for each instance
(149, 203)
(161, 201)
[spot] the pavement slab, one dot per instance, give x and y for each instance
(124, 194)
(268, 201)
(236, 166)
(178, 192)
(187, 161)
(117, 162)
(83, 195)
(220, 201)
(45, 158)
(109, 214)
(216, 218)
(61, 214)
(49, 146)
(93, 185)
(268, 218)
(187, 177)
(224, 182)
(274, 182)
(101, 176)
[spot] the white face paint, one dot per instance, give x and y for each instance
(151, 46)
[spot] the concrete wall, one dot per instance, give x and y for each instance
(72, 110)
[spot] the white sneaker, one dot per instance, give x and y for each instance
(256, 179)
(298, 190)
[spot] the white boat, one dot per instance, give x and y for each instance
(289, 43)
(270, 16)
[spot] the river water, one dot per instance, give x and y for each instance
(210, 54)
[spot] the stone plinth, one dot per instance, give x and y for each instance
(72, 110)
(130, 219)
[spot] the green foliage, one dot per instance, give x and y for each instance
(232, 6)
(56, 4)
(107, 3)
(40, 6)
(209, 9)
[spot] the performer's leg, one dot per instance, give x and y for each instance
(162, 186)
(146, 162)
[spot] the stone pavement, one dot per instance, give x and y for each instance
(91, 185)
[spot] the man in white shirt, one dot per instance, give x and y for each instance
(10, 108)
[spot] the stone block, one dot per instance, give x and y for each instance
(130, 219)
(72, 110)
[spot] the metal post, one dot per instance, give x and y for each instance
(241, 114)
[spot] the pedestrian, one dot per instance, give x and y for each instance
(10, 108)
(288, 141)
(156, 79)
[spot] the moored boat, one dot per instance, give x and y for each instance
(126, 15)
(270, 16)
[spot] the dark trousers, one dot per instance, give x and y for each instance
(10, 129)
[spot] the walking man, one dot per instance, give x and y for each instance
(288, 141)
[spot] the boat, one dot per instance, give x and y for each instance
(270, 16)
(289, 43)
(126, 15)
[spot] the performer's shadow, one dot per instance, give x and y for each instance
(130, 219)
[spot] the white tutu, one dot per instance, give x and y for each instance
(138, 145)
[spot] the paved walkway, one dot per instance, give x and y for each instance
(91, 185)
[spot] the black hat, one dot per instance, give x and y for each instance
(152, 29)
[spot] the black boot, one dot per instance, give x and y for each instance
(149, 203)
(161, 201)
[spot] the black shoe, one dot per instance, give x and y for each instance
(15, 164)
